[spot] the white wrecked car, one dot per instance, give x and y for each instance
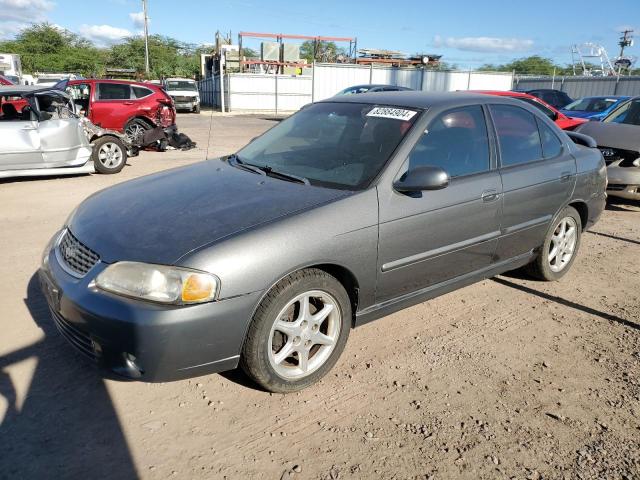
(40, 134)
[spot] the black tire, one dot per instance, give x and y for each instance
(196, 109)
(258, 352)
(135, 129)
(109, 155)
(541, 267)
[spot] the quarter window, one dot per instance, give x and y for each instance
(518, 135)
(140, 92)
(113, 91)
(455, 141)
(551, 144)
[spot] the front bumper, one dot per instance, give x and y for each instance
(142, 340)
(623, 182)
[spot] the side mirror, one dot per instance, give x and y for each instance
(428, 177)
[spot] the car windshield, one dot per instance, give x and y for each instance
(181, 85)
(595, 105)
(49, 80)
(355, 90)
(335, 145)
(628, 113)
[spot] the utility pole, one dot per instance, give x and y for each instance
(625, 41)
(146, 38)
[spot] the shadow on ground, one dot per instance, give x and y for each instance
(67, 426)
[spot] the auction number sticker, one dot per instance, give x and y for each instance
(391, 112)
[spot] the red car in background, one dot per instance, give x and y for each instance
(17, 102)
(127, 107)
(560, 119)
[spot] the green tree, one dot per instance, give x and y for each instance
(44, 47)
(324, 51)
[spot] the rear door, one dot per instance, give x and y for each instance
(63, 143)
(538, 177)
(433, 236)
(112, 106)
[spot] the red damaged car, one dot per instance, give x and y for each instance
(564, 122)
(16, 103)
(127, 107)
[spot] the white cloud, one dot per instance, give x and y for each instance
(484, 44)
(18, 14)
(138, 19)
(104, 34)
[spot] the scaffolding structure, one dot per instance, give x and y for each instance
(319, 50)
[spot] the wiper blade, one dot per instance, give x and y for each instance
(285, 176)
(266, 170)
(235, 160)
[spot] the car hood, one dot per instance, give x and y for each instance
(182, 93)
(162, 217)
(614, 135)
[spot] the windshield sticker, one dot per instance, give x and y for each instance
(390, 112)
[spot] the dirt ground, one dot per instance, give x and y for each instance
(508, 378)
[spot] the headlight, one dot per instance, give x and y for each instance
(50, 244)
(636, 162)
(158, 283)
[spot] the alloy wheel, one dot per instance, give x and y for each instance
(110, 155)
(563, 244)
(304, 334)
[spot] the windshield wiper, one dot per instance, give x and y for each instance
(246, 166)
(266, 170)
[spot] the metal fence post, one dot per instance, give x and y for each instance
(615, 89)
(276, 77)
(469, 81)
(222, 92)
(313, 82)
(371, 73)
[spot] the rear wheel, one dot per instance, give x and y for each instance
(298, 332)
(135, 129)
(109, 155)
(559, 248)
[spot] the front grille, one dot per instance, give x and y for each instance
(77, 257)
(182, 99)
(75, 336)
(616, 187)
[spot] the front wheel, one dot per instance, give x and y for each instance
(298, 332)
(560, 247)
(196, 109)
(109, 155)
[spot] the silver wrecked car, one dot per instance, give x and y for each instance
(40, 134)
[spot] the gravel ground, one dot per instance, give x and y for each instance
(508, 378)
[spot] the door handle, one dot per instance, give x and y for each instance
(128, 103)
(565, 177)
(490, 195)
(29, 127)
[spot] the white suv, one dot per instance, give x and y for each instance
(184, 92)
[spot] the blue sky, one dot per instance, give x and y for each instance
(468, 33)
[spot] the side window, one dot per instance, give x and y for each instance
(551, 144)
(518, 135)
(113, 91)
(456, 141)
(140, 92)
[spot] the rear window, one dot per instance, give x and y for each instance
(113, 91)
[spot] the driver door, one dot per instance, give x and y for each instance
(429, 237)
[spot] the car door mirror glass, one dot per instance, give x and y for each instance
(427, 177)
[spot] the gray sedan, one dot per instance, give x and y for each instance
(349, 210)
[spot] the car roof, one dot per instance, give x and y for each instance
(415, 99)
(27, 90)
(505, 93)
(110, 80)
